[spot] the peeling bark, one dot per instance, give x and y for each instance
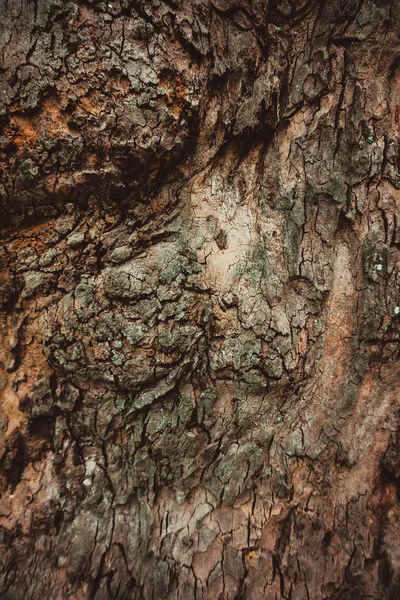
(200, 300)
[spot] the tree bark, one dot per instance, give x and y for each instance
(200, 300)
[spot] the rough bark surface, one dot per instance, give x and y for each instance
(200, 300)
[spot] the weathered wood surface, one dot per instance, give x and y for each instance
(200, 300)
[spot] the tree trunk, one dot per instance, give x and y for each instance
(200, 296)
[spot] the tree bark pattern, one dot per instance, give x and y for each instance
(200, 300)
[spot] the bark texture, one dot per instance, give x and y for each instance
(200, 300)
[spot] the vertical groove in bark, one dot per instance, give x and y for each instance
(200, 300)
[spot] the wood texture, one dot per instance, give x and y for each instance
(200, 300)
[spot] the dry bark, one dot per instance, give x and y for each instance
(200, 299)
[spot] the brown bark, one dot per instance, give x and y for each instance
(200, 300)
